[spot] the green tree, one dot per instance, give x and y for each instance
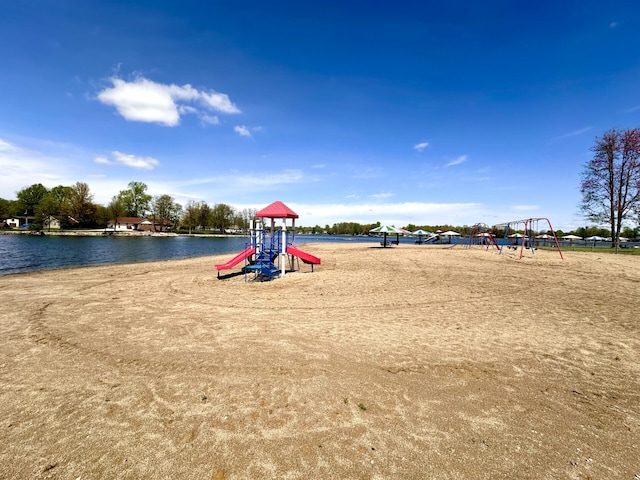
(190, 216)
(116, 210)
(205, 215)
(46, 210)
(6, 208)
(135, 199)
(222, 216)
(53, 205)
(102, 216)
(611, 180)
(164, 208)
(29, 197)
(628, 232)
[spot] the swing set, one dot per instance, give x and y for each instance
(481, 234)
(526, 239)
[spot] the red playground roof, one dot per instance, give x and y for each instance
(276, 210)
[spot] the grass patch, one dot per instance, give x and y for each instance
(596, 249)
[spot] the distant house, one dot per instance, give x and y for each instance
(141, 224)
(16, 222)
(51, 222)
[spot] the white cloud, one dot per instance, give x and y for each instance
(143, 100)
(128, 160)
(382, 195)
(6, 146)
(245, 131)
(210, 119)
(525, 208)
(219, 102)
(242, 131)
(271, 180)
(398, 214)
(575, 133)
(22, 167)
(368, 173)
(238, 180)
(420, 146)
(613, 24)
(457, 161)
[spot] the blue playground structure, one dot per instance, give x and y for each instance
(269, 251)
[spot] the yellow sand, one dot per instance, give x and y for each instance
(405, 362)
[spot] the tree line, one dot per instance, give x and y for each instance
(73, 206)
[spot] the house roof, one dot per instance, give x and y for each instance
(144, 221)
(129, 219)
(276, 210)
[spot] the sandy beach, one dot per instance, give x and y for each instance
(409, 362)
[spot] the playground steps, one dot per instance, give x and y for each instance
(264, 266)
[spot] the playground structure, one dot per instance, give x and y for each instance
(268, 252)
(526, 240)
(480, 234)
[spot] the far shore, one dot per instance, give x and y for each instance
(102, 232)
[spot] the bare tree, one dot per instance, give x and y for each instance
(611, 180)
(81, 206)
(245, 217)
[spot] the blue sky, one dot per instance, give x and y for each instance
(415, 112)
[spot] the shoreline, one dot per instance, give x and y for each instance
(101, 233)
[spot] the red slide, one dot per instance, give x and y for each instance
(304, 256)
(237, 259)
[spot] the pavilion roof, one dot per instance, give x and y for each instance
(276, 210)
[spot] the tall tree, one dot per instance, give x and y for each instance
(54, 204)
(222, 215)
(611, 180)
(190, 216)
(6, 208)
(205, 215)
(135, 199)
(29, 197)
(102, 216)
(245, 217)
(46, 210)
(81, 206)
(164, 208)
(116, 209)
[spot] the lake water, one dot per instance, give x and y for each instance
(25, 253)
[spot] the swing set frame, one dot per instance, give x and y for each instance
(480, 234)
(529, 224)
